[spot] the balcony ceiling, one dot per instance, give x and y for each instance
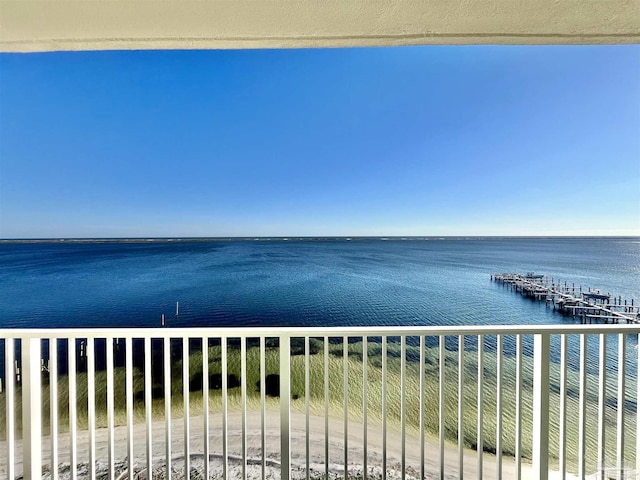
(49, 25)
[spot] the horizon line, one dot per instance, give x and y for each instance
(296, 237)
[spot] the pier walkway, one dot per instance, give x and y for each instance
(588, 305)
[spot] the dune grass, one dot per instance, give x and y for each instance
(374, 397)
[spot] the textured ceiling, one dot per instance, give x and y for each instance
(27, 26)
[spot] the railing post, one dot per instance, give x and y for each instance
(541, 347)
(10, 404)
(285, 407)
(31, 408)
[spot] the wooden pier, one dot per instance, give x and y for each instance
(589, 305)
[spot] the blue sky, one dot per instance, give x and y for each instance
(476, 140)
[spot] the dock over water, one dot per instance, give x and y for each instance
(587, 304)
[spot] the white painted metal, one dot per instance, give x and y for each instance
(328, 331)
(562, 454)
(326, 408)
(441, 353)
(499, 356)
(205, 406)
(148, 406)
(602, 397)
(111, 456)
(480, 439)
(638, 409)
(129, 397)
(582, 409)
(243, 413)
(384, 407)
(365, 396)
(73, 450)
(345, 401)
(225, 452)
(185, 406)
(421, 408)
(167, 405)
(403, 373)
(285, 407)
(518, 427)
(541, 348)
(622, 358)
(31, 409)
(306, 405)
(460, 407)
(91, 406)
(10, 379)
(263, 408)
(541, 364)
(53, 405)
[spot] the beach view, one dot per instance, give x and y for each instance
(404, 262)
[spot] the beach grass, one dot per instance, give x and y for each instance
(374, 395)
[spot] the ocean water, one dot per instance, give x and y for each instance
(302, 283)
(317, 283)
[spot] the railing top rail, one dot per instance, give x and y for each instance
(300, 331)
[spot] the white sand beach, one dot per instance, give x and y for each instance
(355, 451)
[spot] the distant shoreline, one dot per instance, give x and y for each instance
(305, 239)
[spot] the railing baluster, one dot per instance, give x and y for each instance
(205, 405)
(185, 407)
(562, 454)
(541, 390)
(441, 353)
(365, 396)
(460, 407)
(421, 407)
(148, 406)
(638, 405)
(263, 408)
(91, 406)
(167, 404)
(10, 405)
(53, 404)
(480, 438)
(582, 409)
(129, 396)
(225, 453)
(111, 456)
(541, 360)
(326, 408)
(622, 356)
(384, 407)
(499, 353)
(345, 399)
(243, 388)
(73, 450)
(31, 408)
(403, 373)
(518, 427)
(285, 407)
(306, 403)
(602, 397)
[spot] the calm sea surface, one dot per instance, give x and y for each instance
(309, 283)
(335, 282)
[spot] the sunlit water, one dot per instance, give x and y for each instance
(308, 283)
(315, 283)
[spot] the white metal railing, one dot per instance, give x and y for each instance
(562, 365)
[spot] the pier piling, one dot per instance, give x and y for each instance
(590, 305)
